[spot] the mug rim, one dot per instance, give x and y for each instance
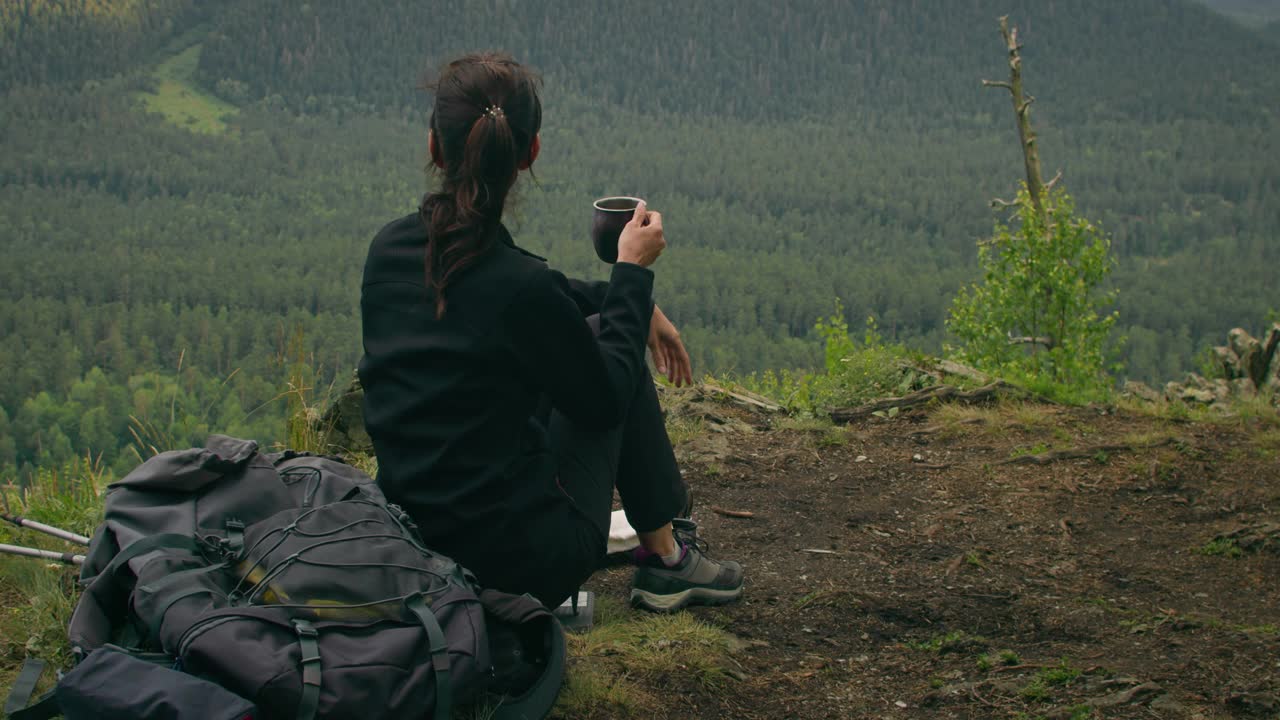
(597, 202)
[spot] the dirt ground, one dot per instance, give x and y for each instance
(925, 566)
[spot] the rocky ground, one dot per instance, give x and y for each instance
(1007, 561)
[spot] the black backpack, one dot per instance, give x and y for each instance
(288, 579)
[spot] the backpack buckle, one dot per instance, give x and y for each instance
(235, 537)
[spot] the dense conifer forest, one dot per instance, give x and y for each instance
(187, 188)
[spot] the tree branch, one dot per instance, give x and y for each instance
(1049, 185)
(1048, 342)
(997, 84)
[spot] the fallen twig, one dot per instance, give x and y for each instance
(732, 513)
(1053, 456)
(746, 398)
(937, 392)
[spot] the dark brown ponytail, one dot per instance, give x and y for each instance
(486, 116)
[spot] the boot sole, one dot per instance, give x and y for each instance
(675, 601)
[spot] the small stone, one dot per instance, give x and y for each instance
(1168, 707)
(917, 458)
(899, 703)
(1191, 394)
(860, 458)
(1141, 390)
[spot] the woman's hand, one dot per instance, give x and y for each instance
(669, 355)
(642, 241)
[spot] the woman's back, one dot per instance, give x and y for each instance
(447, 413)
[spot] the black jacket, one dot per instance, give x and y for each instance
(450, 403)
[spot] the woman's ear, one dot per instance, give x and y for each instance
(534, 148)
(434, 148)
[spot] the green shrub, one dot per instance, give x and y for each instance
(854, 372)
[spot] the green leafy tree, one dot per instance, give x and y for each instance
(1034, 318)
(1035, 315)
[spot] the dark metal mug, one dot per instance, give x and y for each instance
(610, 216)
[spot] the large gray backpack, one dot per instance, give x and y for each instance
(288, 579)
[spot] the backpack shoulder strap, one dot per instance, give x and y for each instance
(439, 655)
(23, 688)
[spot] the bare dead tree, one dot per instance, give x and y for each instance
(1036, 186)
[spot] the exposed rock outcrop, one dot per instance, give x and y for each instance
(1249, 366)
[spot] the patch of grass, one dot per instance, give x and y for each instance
(1145, 437)
(683, 430)
(1267, 443)
(181, 102)
(1061, 674)
(1258, 412)
(37, 597)
(1029, 450)
(1225, 547)
(955, 641)
(1027, 416)
(819, 428)
(1035, 691)
(994, 420)
(821, 431)
(854, 372)
(1041, 686)
(609, 664)
(833, 437)
(1009, 657)
(806, 424)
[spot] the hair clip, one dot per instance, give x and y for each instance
(494, 111)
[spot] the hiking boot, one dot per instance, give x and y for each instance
(695, 580)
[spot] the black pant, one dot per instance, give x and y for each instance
(568, 541)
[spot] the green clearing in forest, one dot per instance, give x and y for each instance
(181, 102)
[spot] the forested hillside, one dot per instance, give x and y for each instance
(859, 61)
(176, 269)
(69, 41)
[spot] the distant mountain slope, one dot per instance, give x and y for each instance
(1250, 12)
(1145, 59)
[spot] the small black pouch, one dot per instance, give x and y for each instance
(113, 685)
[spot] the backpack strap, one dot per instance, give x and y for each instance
(308, 638)
(25, 686)
(44, 708)
(439, 654)
(235, 536)
(152, 542)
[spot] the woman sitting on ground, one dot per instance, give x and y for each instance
(505, 401)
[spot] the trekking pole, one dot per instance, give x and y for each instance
(67, 558)
(46, 529)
